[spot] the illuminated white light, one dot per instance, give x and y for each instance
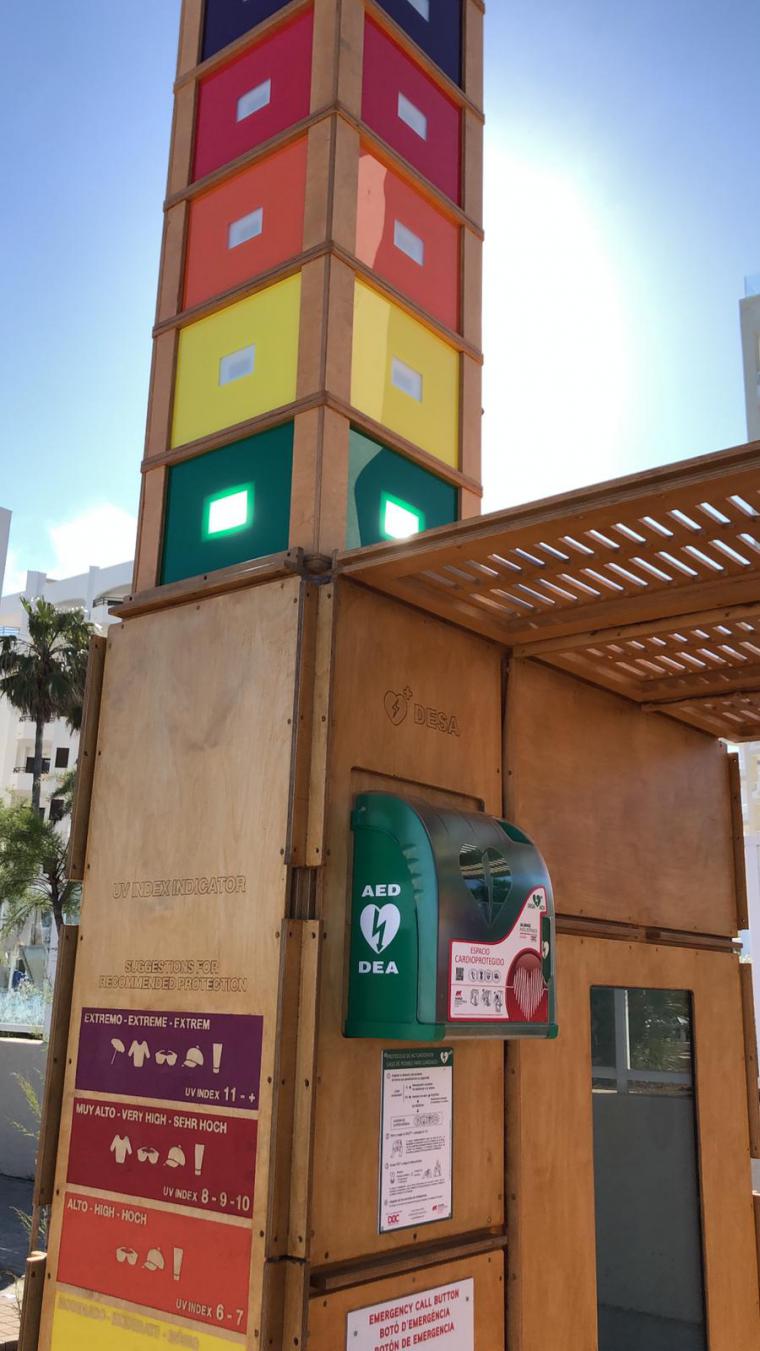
(412, 116)
(228, 513)
(422, 7)
(400, 522)
(407, 380)
(236, 365)
(246, 228)
(255, 99)
(409, 243)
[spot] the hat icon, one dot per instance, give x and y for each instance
(193, 1059)
(155, 1260)
(176, 1157)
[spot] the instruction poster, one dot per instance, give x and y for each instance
(205, 1059)
(443, 1317)
(416, 1138)
(197, 1268)
(201, 1159)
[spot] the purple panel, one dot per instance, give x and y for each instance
(200, 1058)
(227, 20)
(436, 27)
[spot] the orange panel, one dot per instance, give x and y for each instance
(407, 241)
(248, 224)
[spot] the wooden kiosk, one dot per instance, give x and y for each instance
(571, 665)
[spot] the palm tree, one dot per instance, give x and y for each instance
(42, 673)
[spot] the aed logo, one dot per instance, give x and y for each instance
(379, 926)
(397, 704)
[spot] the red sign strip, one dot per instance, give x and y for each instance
(197, 1268)
(186, 1158)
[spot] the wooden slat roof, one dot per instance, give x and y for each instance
(648, 585)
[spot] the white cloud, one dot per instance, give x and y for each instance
(99, 537)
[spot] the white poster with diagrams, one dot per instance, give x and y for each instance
(444, 1317)
(416, 1138)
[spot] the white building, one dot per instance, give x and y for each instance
(5, 530)
(93, 592)
(749, 312)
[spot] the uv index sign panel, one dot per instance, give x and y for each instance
(237, 363)
(254, 97)
(405, 377)
(407, 241)
(247, 225)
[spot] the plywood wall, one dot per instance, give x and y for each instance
(192, 784)
(382, 648)
(550, 1149)
(631, 810)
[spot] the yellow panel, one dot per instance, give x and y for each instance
(238, 362)
(405, 377)
(82, 1324)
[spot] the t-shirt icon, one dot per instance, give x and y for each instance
(138, 1053)
(120, 1147)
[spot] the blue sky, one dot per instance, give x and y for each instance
(623, 209)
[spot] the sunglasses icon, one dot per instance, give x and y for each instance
(166, 1057)
(126, 1255)
(144, 1153)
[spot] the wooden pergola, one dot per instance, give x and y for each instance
(647, 585)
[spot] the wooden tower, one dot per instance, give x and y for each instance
(297, 639)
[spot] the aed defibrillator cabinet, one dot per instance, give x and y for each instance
(452, 926)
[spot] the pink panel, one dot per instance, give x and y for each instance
(410, 112)
(261, 93)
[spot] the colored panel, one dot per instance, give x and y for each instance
(256, 96)
(265, 462)
(82, 1324)
(410, 112)
(185, 1158)
(227, 20)
(209, 1058)
(386, 492)
(405, 377)
(220, 380)
(405, 240)
(247, 225)
(158, 1259)
(436, 27)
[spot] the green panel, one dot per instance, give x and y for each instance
(379, 477)
(229, 505)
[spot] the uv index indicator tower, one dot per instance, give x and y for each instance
(317, 343)
(315, 386)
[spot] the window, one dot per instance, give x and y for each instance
(237, 365)
(399, 519)
(240, 231)
(412, 116)
(254, 100)
(56, 809)
(409, 243)
(650, 1292)
(30, 764)
(62, 757)
(227, 512)
(406, 379)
